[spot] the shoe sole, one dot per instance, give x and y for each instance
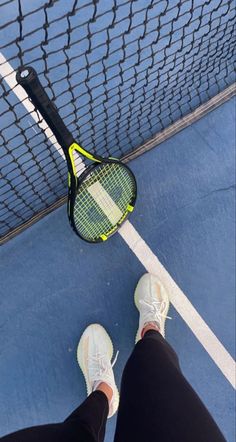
(80, 359)
(137, 337)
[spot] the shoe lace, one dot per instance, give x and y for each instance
(99, 363)
(157, 308)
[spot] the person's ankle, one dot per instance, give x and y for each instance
(149, 326)
(106, 389)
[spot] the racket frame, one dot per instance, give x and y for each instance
(73, 190)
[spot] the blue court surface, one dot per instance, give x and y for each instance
(53, 284)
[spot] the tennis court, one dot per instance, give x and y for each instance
(125, 80)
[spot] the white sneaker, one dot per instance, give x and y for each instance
(152, 301)
(94, 354)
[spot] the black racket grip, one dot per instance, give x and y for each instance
(27, 77)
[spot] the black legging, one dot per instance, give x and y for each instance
(157, 404)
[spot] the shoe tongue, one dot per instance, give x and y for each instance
(151, 323)
(95, 385)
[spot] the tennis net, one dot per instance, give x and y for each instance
(119, 72)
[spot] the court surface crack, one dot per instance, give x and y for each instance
(220, 189)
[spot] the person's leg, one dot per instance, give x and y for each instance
(157, 404)
(92, 415)
(88, 422)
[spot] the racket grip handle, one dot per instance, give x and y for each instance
(27, 77)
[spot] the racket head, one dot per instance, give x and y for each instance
(105, 196)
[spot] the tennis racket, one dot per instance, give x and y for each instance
(102, 197)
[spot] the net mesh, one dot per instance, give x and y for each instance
(102, 200)
(118, 71)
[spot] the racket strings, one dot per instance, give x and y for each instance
(102, 200)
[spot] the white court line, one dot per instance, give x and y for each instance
(9, 75)
(201, 330)
(105, 202)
